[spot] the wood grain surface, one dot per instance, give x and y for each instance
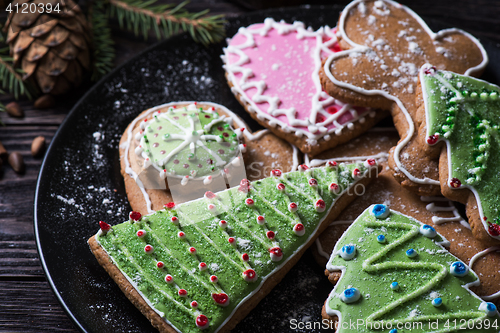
(27, 303)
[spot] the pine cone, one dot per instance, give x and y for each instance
(53, 49)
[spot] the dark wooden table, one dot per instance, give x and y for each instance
(27, 303)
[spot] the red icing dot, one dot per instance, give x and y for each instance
(174, 219)
(209, 161)
(176, 161)
(182, 292)
(148, 249)
(213, 279)
(207, 116)
(276, 173)
(292, 206)
(209, 195)
(203, 266)
(156, 144)
(331, 164)
(433, 139)
(225, 134)
(221, 298)
(270, 234)
(455, 183)
(162, 152)
(136, 216)
(276, 251)
(184, 114)
(222, 222)
(332, 109)
(220, 128)
(249, 202)
(192, 250)
(140, 233)
(303, 167)
(280, 186)
(371, 162)
(169, 278)
(245, 257)
(261, 219)
(231, 240)
(320, 205)
(201, 321)
(250, 274)
(313, 182)
(220, 151)
(159, 128)
(194, 304)
(334, 187)
(185, 165)
(160, 264)
(356, 173)
(176, 118)
(320, 118)
(494, 229)
(430, 71)
(170, 205)
(181, 234)
(104, 226)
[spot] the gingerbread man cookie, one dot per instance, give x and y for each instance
(272, 68)
(385, 45)
(463, 112)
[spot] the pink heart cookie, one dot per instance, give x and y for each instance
(273, 68)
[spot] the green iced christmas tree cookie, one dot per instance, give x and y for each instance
(397, 277)
(198, 261)
(465, 112)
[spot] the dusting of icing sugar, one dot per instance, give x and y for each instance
(287, 98)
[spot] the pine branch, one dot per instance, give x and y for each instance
(167, 20)
(103, 45)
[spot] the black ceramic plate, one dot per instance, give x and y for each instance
(80, 181)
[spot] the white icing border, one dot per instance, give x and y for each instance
(473, 260)
(448, 152)
(331, 268)
(363, 49)
(231, 115)
(241, 85)
(264, 278)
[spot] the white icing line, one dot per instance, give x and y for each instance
(363, 49)
(317, 105)
(432, 207)
(475, 258)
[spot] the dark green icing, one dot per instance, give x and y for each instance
(421, 279)
(215, 144)
(466, 112)
(203, 232)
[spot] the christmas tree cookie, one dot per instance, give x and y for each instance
(464, 113)
(203, 264)
(398, 277)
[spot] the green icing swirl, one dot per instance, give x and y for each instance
(202, 231)
(421, 279)
(465, 112)
(189, 141)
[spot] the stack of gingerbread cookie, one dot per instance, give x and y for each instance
(220, 214)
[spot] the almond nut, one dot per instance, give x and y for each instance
(38, 146)
(14, 110)
(16, 161)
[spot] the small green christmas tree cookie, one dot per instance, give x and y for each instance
(196, 263)
(397, 277)
(465, 112)
(188, 143)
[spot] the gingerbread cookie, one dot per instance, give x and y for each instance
(272, 68)
(188, 145)
(204, 264)
(397, 276)
(385, 45)
(463, 112)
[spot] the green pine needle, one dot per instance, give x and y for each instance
(167, 20)
(103, 45)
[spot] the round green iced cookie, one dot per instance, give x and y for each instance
(188, 142)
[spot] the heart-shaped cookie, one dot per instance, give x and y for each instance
(273, 68)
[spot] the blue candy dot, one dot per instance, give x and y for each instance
(380, 211)
(348, 252)
(381, 238)
(350, 295)
(491, 307)
(394, 285)
(428, 231)
(393, 331)
(411, 253)
(437, 302)
(459, 269)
